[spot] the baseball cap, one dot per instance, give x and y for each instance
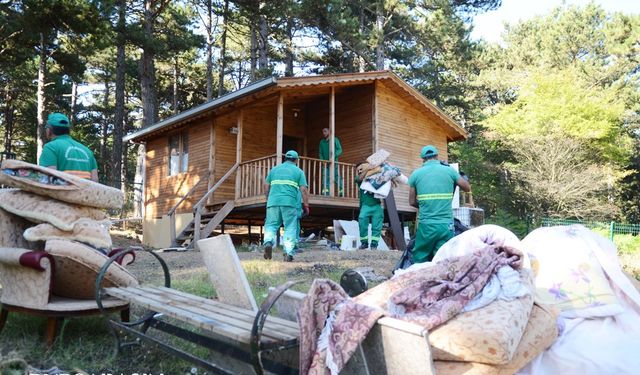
(58, 119)
(428, 151)
(291, 154)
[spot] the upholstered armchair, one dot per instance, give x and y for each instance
(58, 283)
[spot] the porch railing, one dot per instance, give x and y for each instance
(252, 174)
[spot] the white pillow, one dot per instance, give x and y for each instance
(568, 274)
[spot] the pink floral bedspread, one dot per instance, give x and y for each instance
(332, 325)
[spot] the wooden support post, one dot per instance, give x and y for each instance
(239, 121)
(374, 118)
(332, 140)
(279, 129)
(249, 231)
(172, 229)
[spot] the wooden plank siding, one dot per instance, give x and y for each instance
(163, 191)
(225, 154)
(403, 130)
(353, 123)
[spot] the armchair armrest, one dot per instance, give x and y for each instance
(37, 260)
(26, 277)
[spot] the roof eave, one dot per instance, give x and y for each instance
(209, 106)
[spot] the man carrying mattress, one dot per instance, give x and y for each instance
(65, 153)
(432, 187)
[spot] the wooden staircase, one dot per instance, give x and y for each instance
(205, 218)
(209, 221)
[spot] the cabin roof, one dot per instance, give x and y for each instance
(268, 85)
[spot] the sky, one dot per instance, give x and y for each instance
(489, 25)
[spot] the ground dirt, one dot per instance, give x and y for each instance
(313, 261)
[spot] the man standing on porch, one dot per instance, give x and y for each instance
(323, 151)
(431, 191)
(281, 188)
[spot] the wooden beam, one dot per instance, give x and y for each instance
(212, 157)
(374, 118)
(279, 129)
(239, 122)
(332, 140)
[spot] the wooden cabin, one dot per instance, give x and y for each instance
(206, 166)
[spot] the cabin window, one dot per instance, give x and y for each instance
(178, 153)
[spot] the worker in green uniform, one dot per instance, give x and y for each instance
(65, 153)
(281, 188)
(323, 153)
(431, 191)
(371, 211)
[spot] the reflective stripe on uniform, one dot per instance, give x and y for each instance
(285, 182)
(436, 196)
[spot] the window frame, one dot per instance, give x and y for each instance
(181, 166)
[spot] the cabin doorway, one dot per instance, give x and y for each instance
(292, 143)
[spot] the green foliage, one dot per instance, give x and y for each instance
(556, 104)
(519, 227)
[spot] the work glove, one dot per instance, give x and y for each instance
(306, 211)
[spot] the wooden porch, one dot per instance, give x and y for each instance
(251, 175)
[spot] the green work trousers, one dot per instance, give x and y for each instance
(326, 181)
(374, 215)
(429, 238)
(282, 215)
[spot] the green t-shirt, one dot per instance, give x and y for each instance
(367, 198)
(285, 180)
(68, 155)
(434, 184)
(324, 149)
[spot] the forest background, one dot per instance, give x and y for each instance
(553, 110)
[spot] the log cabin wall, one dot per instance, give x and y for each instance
(403, 130)
(225, 155)
(163, 191)
(353, 123)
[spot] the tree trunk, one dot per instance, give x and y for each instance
(42, 73)
(9, 112)
(105, 128)
(74, 102)
(379, 35)
(147, 70)
(223, 48)
(138, 182)
(263, 45)
(209, 51)
(176, 76)
(359, 60)
(288, 70)
(253, 54)
(118, 121)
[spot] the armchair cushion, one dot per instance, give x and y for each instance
(77, 267)
(86, 231)
(59, 185)
(41, 209)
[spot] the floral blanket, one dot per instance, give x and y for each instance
(332, 325)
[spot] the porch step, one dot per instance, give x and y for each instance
(208, 223)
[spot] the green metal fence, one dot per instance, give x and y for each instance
(612, 228)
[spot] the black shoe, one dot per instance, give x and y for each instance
(268, 250)
(363, 246)
(288, 258)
